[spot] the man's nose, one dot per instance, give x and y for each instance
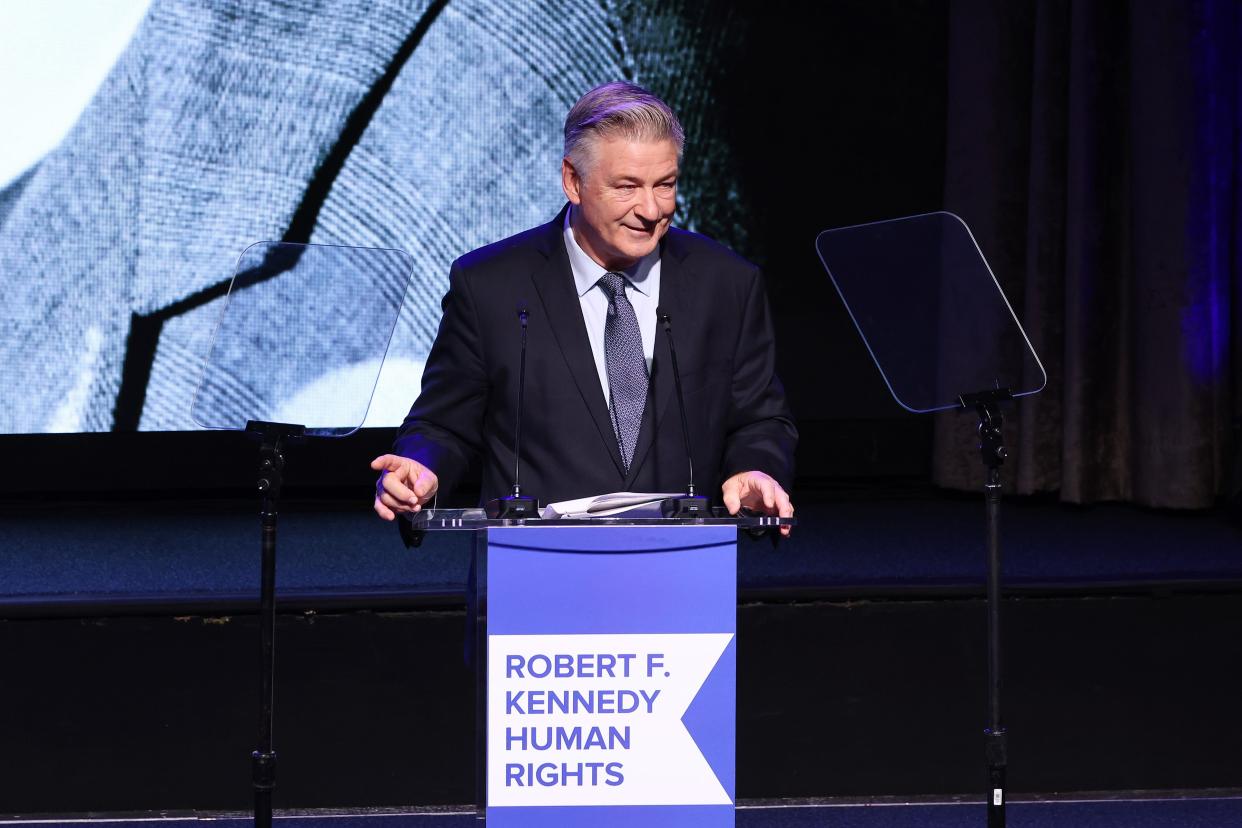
(647, 209)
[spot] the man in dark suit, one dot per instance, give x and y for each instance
(601, 413)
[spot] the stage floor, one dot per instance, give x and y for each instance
(1129, 810)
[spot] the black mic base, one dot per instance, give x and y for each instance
(513, 507)
(682, 506)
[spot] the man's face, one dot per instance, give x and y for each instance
(624, 201)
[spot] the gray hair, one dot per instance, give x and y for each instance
(618, 109)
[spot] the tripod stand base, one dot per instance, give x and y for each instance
(997, 752)
(996, 797)
(263, 772)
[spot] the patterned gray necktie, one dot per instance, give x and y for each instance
(627, 369)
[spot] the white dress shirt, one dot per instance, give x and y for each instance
(642, 288)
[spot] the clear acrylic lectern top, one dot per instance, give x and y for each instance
(301, 338)
(930, 311)
(476, 518)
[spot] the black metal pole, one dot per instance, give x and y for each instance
(995, 732)
(271, 438)
(992, 452)
(264, 757)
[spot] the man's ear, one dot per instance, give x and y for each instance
(571, 182)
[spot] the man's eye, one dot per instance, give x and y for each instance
(667, 186)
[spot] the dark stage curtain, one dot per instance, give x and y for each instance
(1093, 147)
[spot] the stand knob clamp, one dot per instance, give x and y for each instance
(263, 770)
(271, 470)
(991, 424)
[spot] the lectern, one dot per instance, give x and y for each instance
(606, 660)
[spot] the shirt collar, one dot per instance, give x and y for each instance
(587, 271)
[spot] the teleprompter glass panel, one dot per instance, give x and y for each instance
(930, 311)
(302, 336)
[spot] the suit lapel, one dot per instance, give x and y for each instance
(555, 285)
(675, 300)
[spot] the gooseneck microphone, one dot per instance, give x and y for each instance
(689, 504)
(517, 431)
(516, 505)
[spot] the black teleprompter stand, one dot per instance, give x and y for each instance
(272, 438)
(992, 451)
(954, 343)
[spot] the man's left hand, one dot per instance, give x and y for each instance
(758, 492)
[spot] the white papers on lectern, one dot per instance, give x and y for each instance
(631, 504)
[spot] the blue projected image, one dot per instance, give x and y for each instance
(191, 130)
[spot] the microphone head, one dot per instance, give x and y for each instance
(520, 308)
(663, 316)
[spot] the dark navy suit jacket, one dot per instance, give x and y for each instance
(736, 407)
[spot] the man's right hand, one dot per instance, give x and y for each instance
(404, 485)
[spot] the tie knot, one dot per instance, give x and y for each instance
(612, 284)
